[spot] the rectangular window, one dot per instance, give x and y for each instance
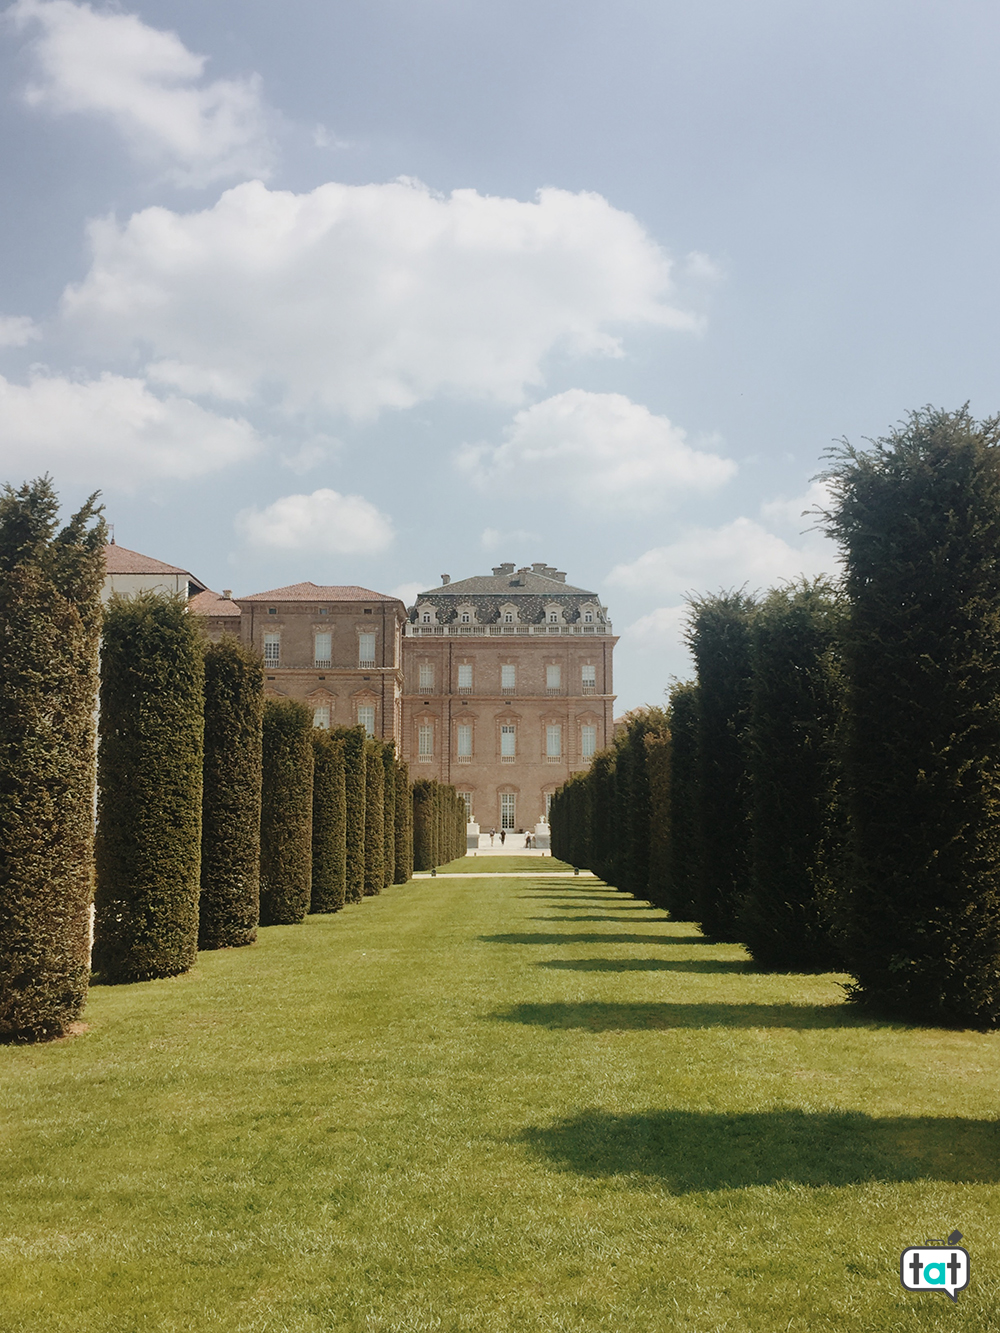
(553, 742)
(548, 805)
(466, 798)
(589, 677)
(321, 716)
(322, 650)
(508, 743)
(366, 650)
(425, 676)
(425, 741)
(465, 677)
(272, 650)
(508, 810)
(464, 740)
(553, 679)
(588, 742)
(508, 679)
(366, 718)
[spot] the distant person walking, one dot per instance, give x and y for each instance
(503, 836)
(493, 834)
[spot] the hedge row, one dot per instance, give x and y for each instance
(439, 824)
(828, 790)
(50, 616)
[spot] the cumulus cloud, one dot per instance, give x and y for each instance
(149, 86)
(17, 330)
(661, 628)
(598, 449)
(706, 559)
(492, 539)
(324, 521)
(365, 297)
(113, 432)
(407, 592)
(799, 512)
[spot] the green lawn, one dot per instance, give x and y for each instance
(510, 1105)
(500, 865)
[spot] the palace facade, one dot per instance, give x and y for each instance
(500, 684)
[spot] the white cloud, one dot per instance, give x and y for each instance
(798, 512)
(324, 521)
(407, 592)
(493, 539)
(660, 628)
(113, 432)
(598, 449)
(365, 297)
(17, 330)
(707, 559)
(149, 86)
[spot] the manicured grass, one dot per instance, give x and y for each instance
(536, 1109)
(500, 865)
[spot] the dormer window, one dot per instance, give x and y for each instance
(588, 617)
(553, 618)
(508, 617)
(465, 617)
(426, 618)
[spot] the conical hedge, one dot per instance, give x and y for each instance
(229, 907)
(50, 615)
(148, 848)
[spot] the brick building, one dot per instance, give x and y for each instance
(500, 684)
(507, 688)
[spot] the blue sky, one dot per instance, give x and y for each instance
(368, 293)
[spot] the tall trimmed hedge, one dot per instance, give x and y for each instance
(658, 752)
(229, 908)
(389, 813)
(795, 834)
(50, 615)
(148, 847)
(719, 639)
(329, 823)
(403, 846)
(424, 825)
(374, 818)
(917, 518)
(439, 820)
(286, 813)
(355, 782)
(683, 847)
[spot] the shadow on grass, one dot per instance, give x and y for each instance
(693, 1150)
(650, 965)
(597, 1016)
(537, 937)
(622, 920)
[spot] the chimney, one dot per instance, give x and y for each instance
(227, 594)
(445, 579)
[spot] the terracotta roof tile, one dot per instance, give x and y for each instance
(210, 603)
(120, 560)
(318, 592)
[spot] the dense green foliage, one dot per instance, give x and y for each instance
(230, 825)
(355, 781)
(570, 820)
(403, 845)
(50, 616)
(795, 835)
(148, 847)
(374, 818)
(389, 814)
(918, 520)
(682, 874)
(286, 813)
(329, 823)
(439, 819)
(719, 639)
(658, 744)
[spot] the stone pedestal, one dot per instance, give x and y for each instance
(542, 837)
(472, 837)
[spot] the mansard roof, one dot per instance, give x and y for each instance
(534, 581)
(318, 592)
